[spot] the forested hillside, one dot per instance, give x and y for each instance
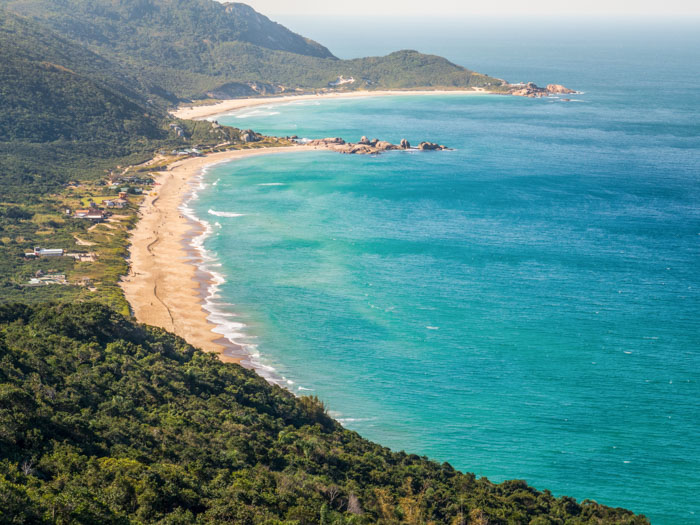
(196, 48)
(61, 105)
(105, 421)
(67, 113)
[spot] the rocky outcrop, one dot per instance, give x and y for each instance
(383, 145)
(368, 147)
(250, 136)
(532, 90)
(558, 89)
(430, 146)
(529, 90)
(327, 142)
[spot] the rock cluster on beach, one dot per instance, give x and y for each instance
(369, 147)
(250, 136)
(532, 90)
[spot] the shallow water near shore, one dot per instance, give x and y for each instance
(525, 306)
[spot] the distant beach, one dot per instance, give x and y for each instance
(165, 286)
(210, 110)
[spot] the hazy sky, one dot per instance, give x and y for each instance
(476, 7)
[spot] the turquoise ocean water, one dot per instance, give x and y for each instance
(525, 306)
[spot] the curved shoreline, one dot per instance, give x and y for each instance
(210, 110)
(166, 285)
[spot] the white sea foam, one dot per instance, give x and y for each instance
(261, 112)
(344, 420)
(225, 213)
(303, 103)
(227, 323)
(433, 327)
(272, 184)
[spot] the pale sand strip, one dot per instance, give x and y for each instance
(201, 112)
(162, 287)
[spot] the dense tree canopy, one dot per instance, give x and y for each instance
(106, 421)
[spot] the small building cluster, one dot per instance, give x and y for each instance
(115, 203)
(45, 279)
(125, 184)
(45, 252)
(60, 252)
(97, 214)
(93, 214)
(192, 152)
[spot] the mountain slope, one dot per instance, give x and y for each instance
(53, 89)
(171, 30)
(66, 112)
(194, 47)
(60, 104)
(105, 421)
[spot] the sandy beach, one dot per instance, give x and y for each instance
(205, 111)
(164, 285)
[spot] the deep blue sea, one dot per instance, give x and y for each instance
(525, 306)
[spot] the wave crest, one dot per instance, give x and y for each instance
(225, 213)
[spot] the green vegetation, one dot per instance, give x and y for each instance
(105, 421)
(30, 218)
(66, 113)
(67, 119)
(201, 48)
(61, 120)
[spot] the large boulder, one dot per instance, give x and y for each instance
(532, 90)
(383, 145)
(250, 136)
(405, 144)
(558, 89)
(430, 146)
(361, 149)
(327, 142)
